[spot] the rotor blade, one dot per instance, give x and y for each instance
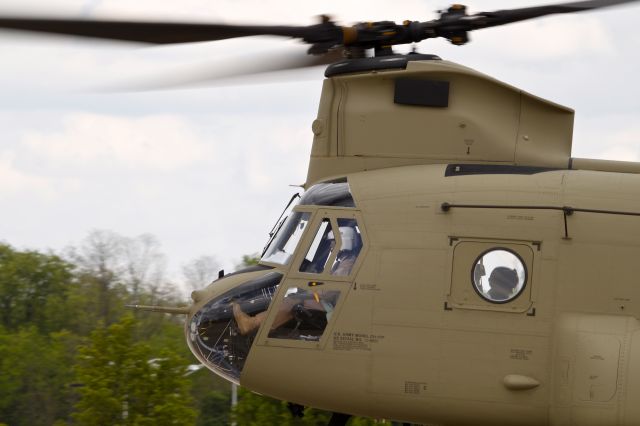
(266, 66)
(501, 17)
(149, 32)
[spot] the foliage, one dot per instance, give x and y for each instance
(213, 409)
(114, 267)
(258, 410)
(254, 410)
(249, 260)
(124, 383)
(48, 308)
(32, 288)
(36, 372)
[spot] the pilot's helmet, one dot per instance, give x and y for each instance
(348, 235)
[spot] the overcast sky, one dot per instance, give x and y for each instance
(207, 170)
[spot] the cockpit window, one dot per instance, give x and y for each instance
(221, 333)
(320, 250)
(336, 193)
(350, 246)
(320, 253)
(287, 238)
(304, 314)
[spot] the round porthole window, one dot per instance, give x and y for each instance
(499, 275)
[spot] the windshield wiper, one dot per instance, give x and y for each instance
(278, 223)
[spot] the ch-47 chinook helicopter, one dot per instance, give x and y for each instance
(449, 262)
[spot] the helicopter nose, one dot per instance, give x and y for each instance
(213, 334)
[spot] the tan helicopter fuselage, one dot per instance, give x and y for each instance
(436, 187)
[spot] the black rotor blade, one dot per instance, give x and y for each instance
(502, 17)
(151, 32)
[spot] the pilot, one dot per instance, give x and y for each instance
(503, 282)
(345, 259)
(348, 252)
(247, 323)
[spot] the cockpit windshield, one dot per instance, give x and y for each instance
(287, 237)
(216, 333)
(281, 247)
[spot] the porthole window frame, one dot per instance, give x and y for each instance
(514, 297)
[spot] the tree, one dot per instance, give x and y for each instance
(48, 307)
(144, 263)
(249, 260)
(258, 410)
(33, 289)
(117, 266)
(123, 383)
(36, 371)
(200, 272)
(213, 409)
(99, 262)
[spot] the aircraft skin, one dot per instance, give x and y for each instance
(410, 338)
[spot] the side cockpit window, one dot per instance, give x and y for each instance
(333, 252)
(286, 240)
(285, 236)
(350, 246)
(304, 314)
(320, 251)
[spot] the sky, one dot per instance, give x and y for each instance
(207, 169)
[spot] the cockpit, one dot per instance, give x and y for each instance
(280, 248)
(320, 238)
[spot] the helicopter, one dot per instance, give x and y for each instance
(449, 262)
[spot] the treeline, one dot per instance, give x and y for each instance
(72, 354)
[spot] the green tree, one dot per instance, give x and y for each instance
(35, 371)
(123, 383)
(249, 260)
(258, 410)
(212, 394)
(255, 410)
(49, 306)
(33, 289)
(213, 409)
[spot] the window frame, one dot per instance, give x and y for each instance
(333, 214)
(461, 291)
(263, 339)
(525, 283)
